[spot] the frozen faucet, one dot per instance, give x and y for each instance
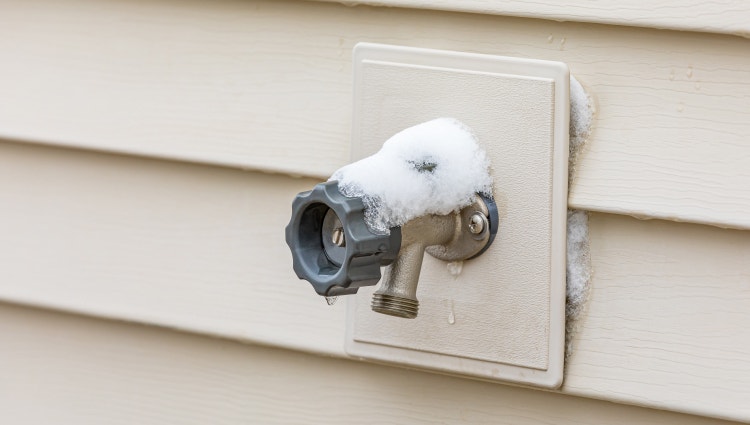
(342, 232)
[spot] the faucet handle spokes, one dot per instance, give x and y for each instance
(332, 247)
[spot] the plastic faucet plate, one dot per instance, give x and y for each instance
(500, 316)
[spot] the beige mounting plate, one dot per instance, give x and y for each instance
(503, 316)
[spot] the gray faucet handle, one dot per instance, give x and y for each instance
(332, 247)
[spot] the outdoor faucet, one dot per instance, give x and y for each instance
(334, 249)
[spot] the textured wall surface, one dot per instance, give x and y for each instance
(66, 369)
(215, 97)
(267, 85)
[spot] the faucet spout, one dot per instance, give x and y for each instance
(397, 295)
(457, 236)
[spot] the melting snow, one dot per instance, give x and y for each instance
(432, 168)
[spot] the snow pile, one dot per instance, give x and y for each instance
(581, 117)
(578, 251)
(437, 166)
(578, 271)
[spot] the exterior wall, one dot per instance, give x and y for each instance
(118, 373)
(266, 85)
(725, 17)
(195, 242)
(199, 248)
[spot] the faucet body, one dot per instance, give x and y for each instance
(452, 237)
(397, 295)
(333, 248)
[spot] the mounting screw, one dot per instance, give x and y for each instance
(338, 238)
(477, 223)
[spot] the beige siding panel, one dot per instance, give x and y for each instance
(267, 85)
(201, 248)
(198, 248)
(667, 317)
(724, 16)
(66, 369)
